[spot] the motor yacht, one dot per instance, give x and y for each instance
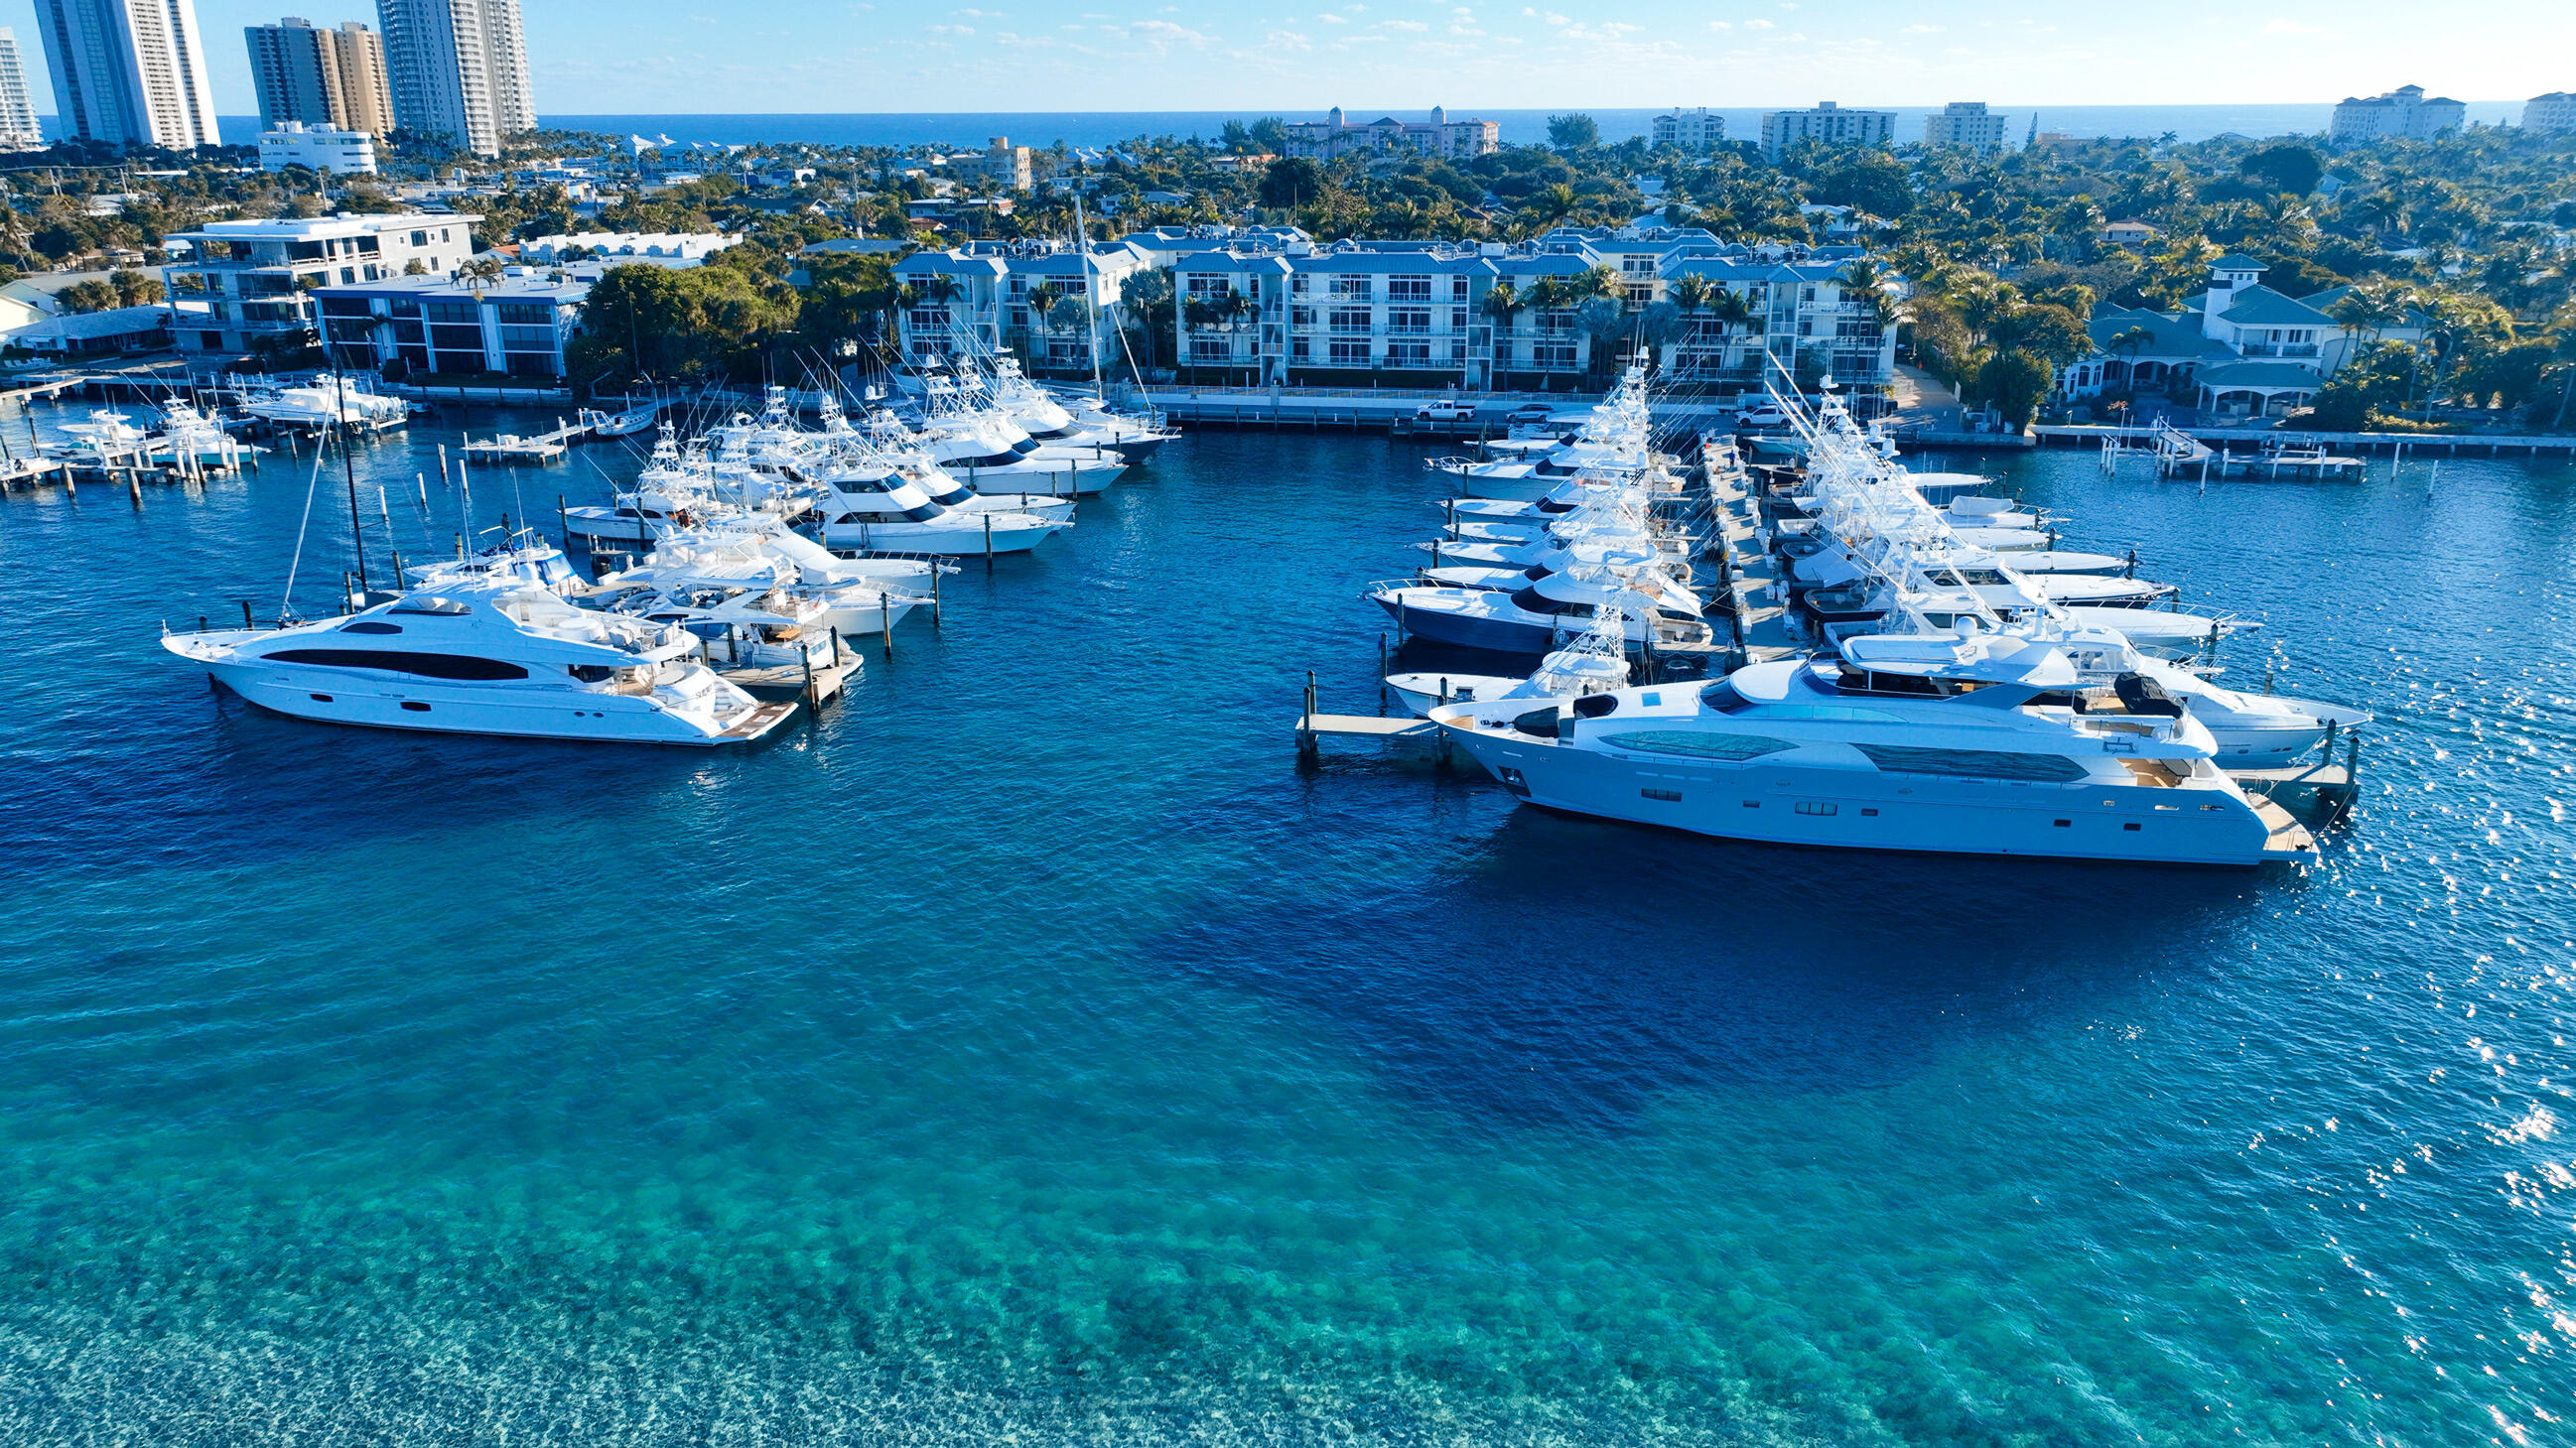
(1975, 744)
(1536, 619)
(887, 513)
(504, 658)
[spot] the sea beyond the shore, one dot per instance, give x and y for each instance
(1029, 1050)
(1518, 127)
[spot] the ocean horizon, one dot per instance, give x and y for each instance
(1518, 127)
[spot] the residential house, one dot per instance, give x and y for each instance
(77, 335)
(242, 283)
(2240, 349)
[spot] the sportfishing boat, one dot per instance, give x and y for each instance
(325, 401)
(887, 513)
(503, 658)
(1973, 744)
(1595, 663)
(107, 439)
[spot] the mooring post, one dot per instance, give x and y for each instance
(935, 608)
(246, 623)
(1381, 673)
(442, 465)
(885, 624)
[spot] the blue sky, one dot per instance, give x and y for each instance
(702, 56)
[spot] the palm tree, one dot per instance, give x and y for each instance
(1042, 299)
(1551, 204)
(1503, 302)
(1864, 284)
(2129, 343)
(1599, 281)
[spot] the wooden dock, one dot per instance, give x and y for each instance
(2318, 794)
(816, 684)
(544, 447)
(1403, 732)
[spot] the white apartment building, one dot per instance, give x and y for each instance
(459, 68)
(320, 77)
(1828, 123)
(674, 249)
(518, 324)
(1964, 123)
(1439, 136)
(1000, 163)
(18, 128)
(977, 299)
(129, 72)
(2553, 114)
(245, 281)
(317, 148)
(2404, 112)
(1799, 312)
(1695, 129)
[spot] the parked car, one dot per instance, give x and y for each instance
(1445, 410)
(1761, 414)
(1528, 413)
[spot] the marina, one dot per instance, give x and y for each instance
(1428, 1053)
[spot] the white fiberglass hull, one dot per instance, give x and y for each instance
(957, 535)
(1054, 477)
(865, 620)
(341, 696)
(1772, 803)
(1420, 693)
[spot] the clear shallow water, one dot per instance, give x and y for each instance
(1029, 1047)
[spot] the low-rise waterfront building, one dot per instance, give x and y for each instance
(1802, 313)
(980, 298)
(1964, 123)
(250, 277)
(1439, 136)
(2405, 112)
(1695, 129)
(518, 325)
(1827, 123)
(328, 149)
(2553, 114)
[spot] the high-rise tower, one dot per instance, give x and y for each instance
(320, 77)
(129, 70)
(459, 68)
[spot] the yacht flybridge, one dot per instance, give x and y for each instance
(504, 657)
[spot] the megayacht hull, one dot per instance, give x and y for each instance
(1863, 810)
(323, 697)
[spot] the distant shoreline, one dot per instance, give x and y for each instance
(1519, 127)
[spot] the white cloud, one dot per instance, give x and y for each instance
(952, 30)
(1165, 31)
(1721, 25)
(1757, 24)
(1402, 25)
(1332, 20)
(1921, 30)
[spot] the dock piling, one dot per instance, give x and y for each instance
(885, 624)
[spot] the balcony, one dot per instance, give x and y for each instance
(2281, 349)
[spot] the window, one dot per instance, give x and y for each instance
(1297, 285)
(420, 238)
(455, 312)
(1457, 319)
(1350, 354)
(1698, 745)
(1560, 355)
(427, 666)
(1349, 319)
(1299, 349)
(525, 313)
(528, 339)
(1211, 349)
(1408, 321)
(1816, 807)
(1973, 763)
(1301, 316)
(1457, 289)
(1351, 286)
(1408, 354)
(344, 306)
(1408, 289)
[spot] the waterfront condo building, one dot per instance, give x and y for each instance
(129, 72)
(517, 324)
(1964, 123)
(1024, 296)
(2405, 112)
(2552, 115)
(241, 285)
(1827, 123)
(329, 149)
(459, 69)
(1000, 163)
(18, 128)
(1696, 129)
(1440, 136)
(320, 77)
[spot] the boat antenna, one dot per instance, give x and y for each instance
(1090, 298)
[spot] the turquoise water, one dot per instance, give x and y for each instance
(1029, 1049)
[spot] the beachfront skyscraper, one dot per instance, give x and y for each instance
(128, 71)
(459, 69)
(18, 130)
(320, 77)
